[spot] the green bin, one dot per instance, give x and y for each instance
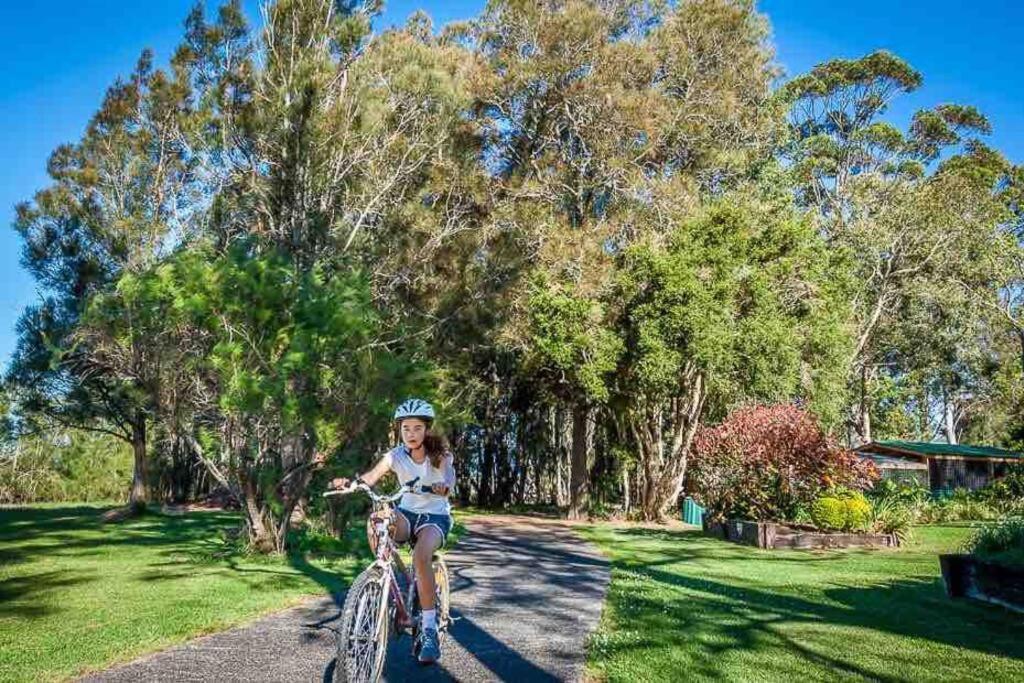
(692, 513)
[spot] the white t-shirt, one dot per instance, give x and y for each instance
(402, 464)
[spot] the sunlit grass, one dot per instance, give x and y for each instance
(685, 607)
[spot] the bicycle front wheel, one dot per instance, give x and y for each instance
(363, 632)
(442, 586)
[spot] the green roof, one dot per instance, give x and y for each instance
(926, 448)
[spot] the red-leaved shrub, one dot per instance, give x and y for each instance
(769, 463)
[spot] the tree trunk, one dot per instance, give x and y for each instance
(538, 497)
(137, 498)
(949, 418)
(864, 409)
(261, 530)
(558, 440)
(625, 490)
(579, 475)
(523, 470)
(1020, 336)
(486, 471)
(664, 445)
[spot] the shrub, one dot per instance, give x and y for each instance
(829, 512)
(68, 466)
(858, 512)
(1000, 542)
(889, 516)
(770, 463)
(911, 494)
(842, 510)
(1005, 494)
(960, 506)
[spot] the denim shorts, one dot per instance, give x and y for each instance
(419, 520)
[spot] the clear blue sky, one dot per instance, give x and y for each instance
(61, 56)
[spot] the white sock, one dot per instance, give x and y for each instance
(430, 618)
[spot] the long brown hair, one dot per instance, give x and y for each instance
(436, 448)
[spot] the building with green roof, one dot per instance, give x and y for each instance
(940, 466)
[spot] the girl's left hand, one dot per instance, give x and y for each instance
(439, 489)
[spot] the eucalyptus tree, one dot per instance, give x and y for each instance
(908, 205)
(600, 119)
(120, 198)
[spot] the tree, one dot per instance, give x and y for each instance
(265, 323)
(120, 198)
(596, 125)
(742, 301)
(882, 195)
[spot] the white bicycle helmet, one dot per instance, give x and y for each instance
(414, 407)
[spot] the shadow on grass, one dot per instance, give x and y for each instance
(19, 595)
(30, 536)
(27, 534)
(715, 618)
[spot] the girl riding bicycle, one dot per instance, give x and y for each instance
(424, 518)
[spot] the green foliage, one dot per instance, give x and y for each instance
(999, 542)
(829, 512)
(65, 466)
(571, 340)
(961, 506)
(842, 510)
(890, 516)
(1007, 490)
(744, 293)
(858, 512)
(897, 505)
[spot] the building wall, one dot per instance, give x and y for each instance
(904, 476)
(949, 474)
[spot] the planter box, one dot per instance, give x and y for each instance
(714, 529)
(775, 535)
(967, 576)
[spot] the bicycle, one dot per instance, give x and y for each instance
(375, 604)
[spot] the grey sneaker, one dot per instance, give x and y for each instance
(430, 648)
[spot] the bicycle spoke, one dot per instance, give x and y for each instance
(363, 646)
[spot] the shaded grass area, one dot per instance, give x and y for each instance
(77, 594)
(685, 607)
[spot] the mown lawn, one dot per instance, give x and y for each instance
(77, 595)
(685, 607)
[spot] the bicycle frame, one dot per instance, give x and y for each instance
(387, 556)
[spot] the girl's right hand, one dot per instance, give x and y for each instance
(339, 483)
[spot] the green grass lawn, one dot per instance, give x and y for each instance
(685, 607)
(77, 595)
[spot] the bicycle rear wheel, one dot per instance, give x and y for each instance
(363, 632)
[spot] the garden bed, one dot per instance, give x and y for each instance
(967, 576)
(775, 535)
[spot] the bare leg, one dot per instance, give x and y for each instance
(399, 530)
(427, 543)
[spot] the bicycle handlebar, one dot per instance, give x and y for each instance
(408, 487)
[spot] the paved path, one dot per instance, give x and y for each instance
(528, 592)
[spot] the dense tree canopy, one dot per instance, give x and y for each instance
(585, 229)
